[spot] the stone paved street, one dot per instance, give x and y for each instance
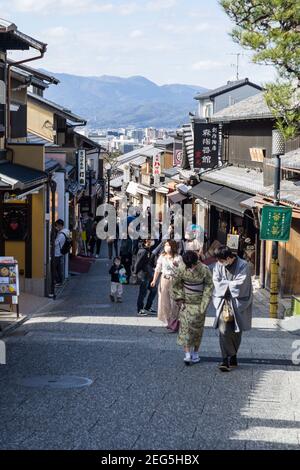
(142, 395)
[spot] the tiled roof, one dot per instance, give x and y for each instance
(289, 192)
(291, 160)
(19, 176)
(15, 39)
(51, 165)
(254, 107)
(66, 113)
(225, 88)
(35, 139)
(129, 156)
(242, 179)
(171, 171)
(135, 161)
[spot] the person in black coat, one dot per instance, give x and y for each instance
(144, 268)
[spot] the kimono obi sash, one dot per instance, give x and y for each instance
(193, 287)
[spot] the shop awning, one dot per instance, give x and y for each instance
(117, 182)
(74, 188)
(144, 190)
(162, 190)
(176, 197)
(20, 177)
(132, 188)
(27, 192)
(204, 190)
(229, 199)
(222, 197)
(249, 203)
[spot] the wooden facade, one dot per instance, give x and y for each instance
(289, 263)
(240, 136)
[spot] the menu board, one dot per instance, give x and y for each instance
(9, 279)
(233, 241)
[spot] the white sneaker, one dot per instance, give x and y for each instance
(142, 313)
(187, 359)
(195, 358)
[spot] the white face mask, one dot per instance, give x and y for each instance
(226, 263)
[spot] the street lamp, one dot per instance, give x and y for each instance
(278, 149)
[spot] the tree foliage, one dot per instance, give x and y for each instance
(271, 29)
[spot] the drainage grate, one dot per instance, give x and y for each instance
(56, 382)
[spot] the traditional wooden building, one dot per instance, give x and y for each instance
(226, 195)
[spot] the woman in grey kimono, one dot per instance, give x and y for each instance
(192, 289)
(232, 299)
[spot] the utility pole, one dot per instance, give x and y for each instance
(278, 149)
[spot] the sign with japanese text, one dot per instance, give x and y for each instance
(206, 145)
(81, 167)
(276, 223)
(157, 164)
(177, 154)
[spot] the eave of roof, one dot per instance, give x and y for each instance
(60, 110)
(34, 73)
(87, 140)
(224, 89)
(11, 31)
(21, 177)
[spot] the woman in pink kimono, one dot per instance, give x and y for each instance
(166, 266)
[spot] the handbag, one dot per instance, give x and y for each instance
(227, 312)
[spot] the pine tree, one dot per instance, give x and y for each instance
(271, 29)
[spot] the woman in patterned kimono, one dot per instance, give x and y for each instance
(192, 290)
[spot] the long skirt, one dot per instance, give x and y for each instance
(167, 308)
(192, 321)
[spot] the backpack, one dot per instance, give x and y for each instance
(65, 249)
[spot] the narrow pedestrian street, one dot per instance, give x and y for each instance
(142, 396)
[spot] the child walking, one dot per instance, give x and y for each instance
(118, 278)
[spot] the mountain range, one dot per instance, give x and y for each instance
(113, 102)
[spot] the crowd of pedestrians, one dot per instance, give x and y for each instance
(186, 282)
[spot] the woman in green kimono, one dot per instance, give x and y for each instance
(192, 289)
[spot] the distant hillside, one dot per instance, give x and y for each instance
(117, 102)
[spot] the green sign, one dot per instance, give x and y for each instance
(276, 223)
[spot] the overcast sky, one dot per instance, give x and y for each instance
(167, 41)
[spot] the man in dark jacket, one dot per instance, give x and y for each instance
(144, 268)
